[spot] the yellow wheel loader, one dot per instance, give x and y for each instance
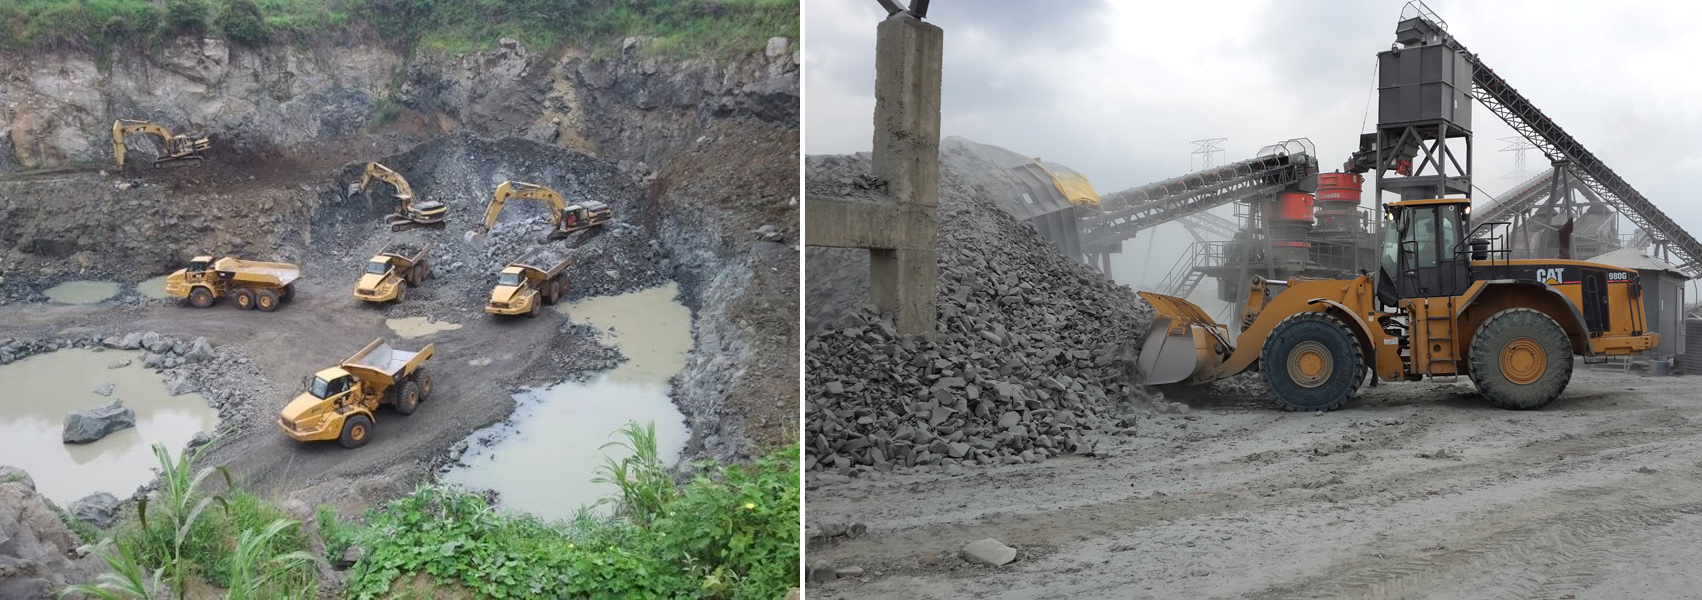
(172, 148)
(251, 283)
(340, 402)
(392, 271)
(1444, 304)
(565, 217)
(411, 212)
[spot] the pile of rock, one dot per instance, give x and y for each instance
(1033, 353)
(161, 352)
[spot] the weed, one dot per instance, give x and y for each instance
(644, 482)
(125, 578)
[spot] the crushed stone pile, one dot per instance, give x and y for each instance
(1033, 355)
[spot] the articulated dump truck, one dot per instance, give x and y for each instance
(252, 283)
(392, 271)
(528, 283)
(1444, 304)
(340, 402)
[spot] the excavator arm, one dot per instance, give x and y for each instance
(524, 191)
(172, 147)
(390, 176)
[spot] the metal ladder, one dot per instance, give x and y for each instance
(1448, 355)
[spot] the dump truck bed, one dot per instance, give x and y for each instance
(379, 359)
(255, 271)
(548, 263)
(407, 254)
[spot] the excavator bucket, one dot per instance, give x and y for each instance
(1184, 344)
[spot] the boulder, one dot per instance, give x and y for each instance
(199, 350)
(84, 426)
(98, 509)
(35, 546)
(989, 551)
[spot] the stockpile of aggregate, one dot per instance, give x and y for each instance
(1032, 358)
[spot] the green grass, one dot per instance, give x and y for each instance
(681, 27)
(732, 532)
(187, 531)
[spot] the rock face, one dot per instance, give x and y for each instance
(34, 543)
(84, 426)
(1033, 353)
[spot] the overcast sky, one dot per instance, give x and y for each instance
(1116, 90)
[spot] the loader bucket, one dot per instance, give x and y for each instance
(1184, 343)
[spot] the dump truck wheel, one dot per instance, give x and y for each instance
(200, 297)
(244, 299)
(536, 303)
(266, 300)
(357, 429)
(289, 293)
(1521, 359)
(424, 378)
(401, 294)
(1312, 362)
(408, 398)
(413, 277)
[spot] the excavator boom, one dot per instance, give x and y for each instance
(173, 148)
(411, 212)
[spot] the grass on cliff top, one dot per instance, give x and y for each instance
(682, 27)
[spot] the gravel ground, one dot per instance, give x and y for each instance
(1413, 490)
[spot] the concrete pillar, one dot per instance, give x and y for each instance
(902, 280)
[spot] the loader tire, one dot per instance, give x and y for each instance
(1521, 359)
(244, 299)
(424, 377)
(357, 429)
(1312, 362)
(408, 398)
(266, 300)
(200, 297)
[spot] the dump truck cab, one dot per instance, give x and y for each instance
(1448, 300)
(528, 283)
(340, 402)
(391, 272)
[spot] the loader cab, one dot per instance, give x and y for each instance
(1425, 254)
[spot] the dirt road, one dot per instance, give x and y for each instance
(321, 327)
(1415, 490)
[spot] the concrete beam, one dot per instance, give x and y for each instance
(844, 224)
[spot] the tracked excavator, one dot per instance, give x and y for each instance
(411, 212)
(1443, 304)
(565, 218)
(173, 149)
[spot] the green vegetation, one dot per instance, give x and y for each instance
(732, 532)
(697, 27)
(188, 532)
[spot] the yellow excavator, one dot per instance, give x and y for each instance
(1443, 304)
(565, 218)
(411, 212)
(173, 148)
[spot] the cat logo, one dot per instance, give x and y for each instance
(1551, 276)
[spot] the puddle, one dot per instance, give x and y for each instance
(39, 390)
(564, 425)
(650, 328)
(414, 327)
(154, 288)
(82, 292)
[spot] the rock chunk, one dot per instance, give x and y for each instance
(98, 509)
(84, 426)
(989, 551)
